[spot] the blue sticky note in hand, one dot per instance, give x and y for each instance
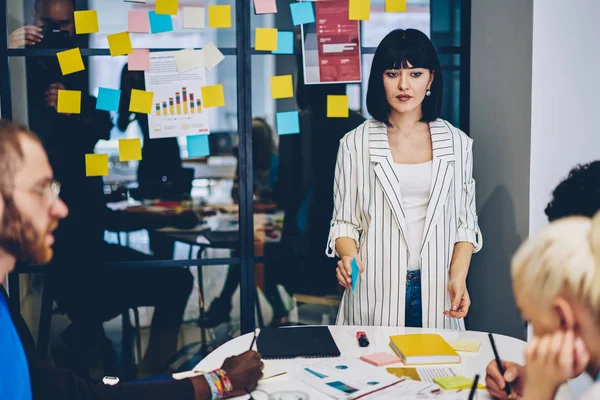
(302, 13)
(288, 122)
(285, 43)
(355, 273)
(160, 22)
(108, 99)
(197, 146)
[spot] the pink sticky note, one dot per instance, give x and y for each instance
(265, 6)
(380, 359)
(138, 22)
(139, 60)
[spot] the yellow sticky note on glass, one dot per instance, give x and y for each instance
(141, 101)
(69, 102)
(96, 164)
(219, 16)
(337, 106)
(468, 345)
(86, 21)
(169, 7)
(70, 61)
(130, 149)
(359, 10)
(265, 39)
(282, 87)
(395, 5)
(119, 44)
(212, 96)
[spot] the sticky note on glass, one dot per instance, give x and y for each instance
(119, 44)
(194, 17)
(141, 101)
(86, 21)
(69, 102)
(285, 43)
(467, 345)
(302, 13)
(187, 60)
(282, 87)
(265, 39)
(159, 22)
(337, 106)
(139, 60)
(359, 10)
(138, 22)
(198, 146)
(167, 7)
(265, 6)
(355, 273)
(96, 164)
(212, 96)
(211, 56)
(288, 122)
(130, 150)
(70, 61)
(395, 5)
(108, 99)
(219, 16)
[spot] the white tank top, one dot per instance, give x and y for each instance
(415, 184)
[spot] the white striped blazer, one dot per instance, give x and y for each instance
(368, 209)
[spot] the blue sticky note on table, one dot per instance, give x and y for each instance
(355, 273)
(197, 146)
(288, 122)
(302, 13)
(160, 22)
(285, 43)
(108, 99)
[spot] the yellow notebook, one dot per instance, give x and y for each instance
(423, 349)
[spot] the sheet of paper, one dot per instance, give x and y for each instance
(188, 59)
(70, 61)
(410, 390)
(130, 149)
(288, 122)
(96, 164)
(141, 101)
(211, 56)
(86, 21)
(213, 96)
(355, 273)
(69, 102)
(282, 87)
(194, 17)
(119, 44)
(198, 146)
(265, 6)
(219, 16)
(302, 13)
(359, 10)
(285, 42)
(138, 22)
(337, 106)
(265, 39)
(108, 99)
(160, 23)
(167, 7)
(395, 5)
(139, 60)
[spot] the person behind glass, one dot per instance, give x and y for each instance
(404, 198)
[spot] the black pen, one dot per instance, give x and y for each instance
(474, 387)
(256, 332)
(499, 364)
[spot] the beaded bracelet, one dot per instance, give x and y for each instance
(219, 383)
(228, 387)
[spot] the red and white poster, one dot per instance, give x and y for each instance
(331, 46)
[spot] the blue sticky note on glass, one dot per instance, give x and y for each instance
(285, 43)
(288, 122)
(197, 146)
(108, 99)
(302, 13)
(160, 22)
(355, 273)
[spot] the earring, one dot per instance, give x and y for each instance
(428, 92)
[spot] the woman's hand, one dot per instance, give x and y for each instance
(459, 298)
(343, 271)
(28, 35)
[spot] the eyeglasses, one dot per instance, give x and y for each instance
(48, 191)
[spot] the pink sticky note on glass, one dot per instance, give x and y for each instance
(265, 6)
(138, 22)
(139, 60)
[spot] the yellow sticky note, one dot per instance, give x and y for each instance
(456, 383)
(212, 96)
(395, 5)
(119, 44)
(359, 10)
(70, 61)
(169, 7)
(86, 21)
(337, 106)
(141, 101)
(219, 16)
(96, 164)
(130, 149)
(69, 102)
(465, 345)
(282, 87)
(265, 39)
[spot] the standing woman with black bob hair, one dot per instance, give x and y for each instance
(404, 198)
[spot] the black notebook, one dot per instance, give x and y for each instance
(310, 341)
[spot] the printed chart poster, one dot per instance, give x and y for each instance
(177, 107)
(331, 46)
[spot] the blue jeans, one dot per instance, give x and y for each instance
(413, 311)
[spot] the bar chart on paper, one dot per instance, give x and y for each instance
(181, 103)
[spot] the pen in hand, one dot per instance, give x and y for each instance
(256, 332)
(499, 364)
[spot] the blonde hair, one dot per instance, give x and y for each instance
(563, 258)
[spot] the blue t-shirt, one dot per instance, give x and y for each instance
(14, 372)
